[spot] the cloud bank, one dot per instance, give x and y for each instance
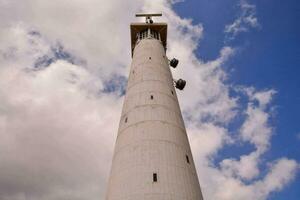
(62, 74)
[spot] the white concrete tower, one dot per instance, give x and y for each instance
(152, 158)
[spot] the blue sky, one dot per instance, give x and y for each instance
(268, 57)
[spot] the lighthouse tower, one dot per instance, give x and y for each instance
(152, 158)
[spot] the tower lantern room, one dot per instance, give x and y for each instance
(148, 30)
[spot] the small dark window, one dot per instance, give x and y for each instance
(133, 71)
(172, 92)
(126, 119)
(149, 58)
(187, 159)
(151, 97)
(154, 177)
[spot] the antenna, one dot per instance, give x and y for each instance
(149, 16)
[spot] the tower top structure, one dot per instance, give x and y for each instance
(148, 29)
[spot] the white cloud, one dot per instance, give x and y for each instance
(231, 179)
(54, 127)
(280, 172)
(207, 139)
(247, 19)
(255, 128)
(246, 167)
(58, 126)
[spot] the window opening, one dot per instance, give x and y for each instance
(151, 97)
(172, 92)
(154, 177)
(187, 159)
(149, 58)
(126, 119)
